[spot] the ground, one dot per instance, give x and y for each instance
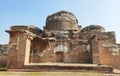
(55, 74)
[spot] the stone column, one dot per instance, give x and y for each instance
(27, 52)
(94, 52)
(17, 49)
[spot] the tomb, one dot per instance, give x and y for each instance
(62, 45)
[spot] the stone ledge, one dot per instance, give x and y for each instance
(59, 67)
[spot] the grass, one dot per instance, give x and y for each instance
(50, 74)
(2, 68)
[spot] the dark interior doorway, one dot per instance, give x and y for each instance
(59, 56)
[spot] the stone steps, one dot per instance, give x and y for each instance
(65, 67)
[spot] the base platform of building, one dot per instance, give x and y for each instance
(62, 67)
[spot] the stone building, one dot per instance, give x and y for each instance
(62, 40)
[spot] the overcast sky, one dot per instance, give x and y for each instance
(34, 12)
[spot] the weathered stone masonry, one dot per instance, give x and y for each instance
(62, 41)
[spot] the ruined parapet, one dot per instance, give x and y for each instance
(106, 36)
(20, 41)
(61, 21)
(31, 28)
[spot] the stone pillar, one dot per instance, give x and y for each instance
(27, 52)
(16, 49)
(94, 52)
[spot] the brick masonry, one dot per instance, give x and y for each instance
(62, 41)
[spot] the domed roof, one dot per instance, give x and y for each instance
(61, 20)
(62, 15)
(97, 28)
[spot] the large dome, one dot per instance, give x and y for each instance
(60, 21)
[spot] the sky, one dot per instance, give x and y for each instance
(34, 12)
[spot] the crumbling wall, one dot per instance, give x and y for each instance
(42, 51)
(17, 47)
(31, 28)
(110, 54)
(62, 41)
(78, 52)
(109, 51)
(19, 36)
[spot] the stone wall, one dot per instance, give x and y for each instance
(44, 52)
(109, 51)
(110, 54)
(17, 47)
(62, 41)
(19, 36)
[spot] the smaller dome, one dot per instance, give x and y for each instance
(94, 28)
(32, 27)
